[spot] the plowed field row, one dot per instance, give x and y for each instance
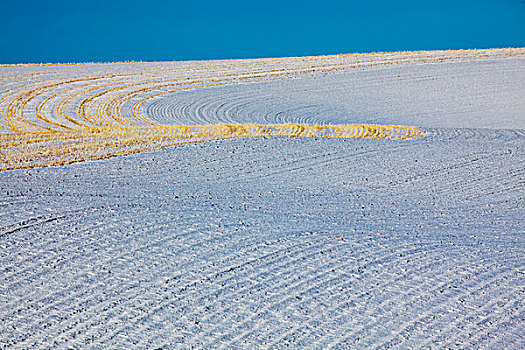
(60, 114)
(342, 237)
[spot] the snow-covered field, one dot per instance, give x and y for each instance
(269, 242)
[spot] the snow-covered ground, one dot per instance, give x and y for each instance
(275, 242)
(489, 94)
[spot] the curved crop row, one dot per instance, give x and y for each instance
(59, 114)
(59, 148)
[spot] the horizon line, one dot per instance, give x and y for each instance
(33, 64)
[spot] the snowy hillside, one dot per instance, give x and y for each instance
(365, 240)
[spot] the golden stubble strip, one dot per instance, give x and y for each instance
(55, 148)
(98, 114)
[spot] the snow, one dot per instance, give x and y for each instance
(488, 94)
(274, 242)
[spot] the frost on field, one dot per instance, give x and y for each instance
(60, 114)
(359, 233)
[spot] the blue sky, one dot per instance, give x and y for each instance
(155, 30)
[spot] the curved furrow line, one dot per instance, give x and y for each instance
(184, 86)
(216, 108)
(450, 333)
(483, 186)
(227, 107)
(480, 280)
(114, 107)
(301, 163)
(481, 183)
(202, 110)
(263, 279)
(460, 299)
(31, 266)
(59, 108)
(456, 164)
(170, 113)
(5, 99)
(330, 88)
(209, 83)
(212, 116)
(37, 92)
(85, 107)
(230, 278)
(166, 296)
(325, 276)
(43, 104)
(137, 106)
(197, 272)
(198, 112)
(222, 108)
(461, 135)
(131, 297)
(56, 301)
(64, 102)
(243, 110)
(26, 223)
(103, 109)
(15, 108)
(194, 82)
(329, 290)
(94, 108)
(184, 113)
(89, 262)
(226, 97)
(129, 91)
(321, 277)
(140, 139)
(512, 323)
